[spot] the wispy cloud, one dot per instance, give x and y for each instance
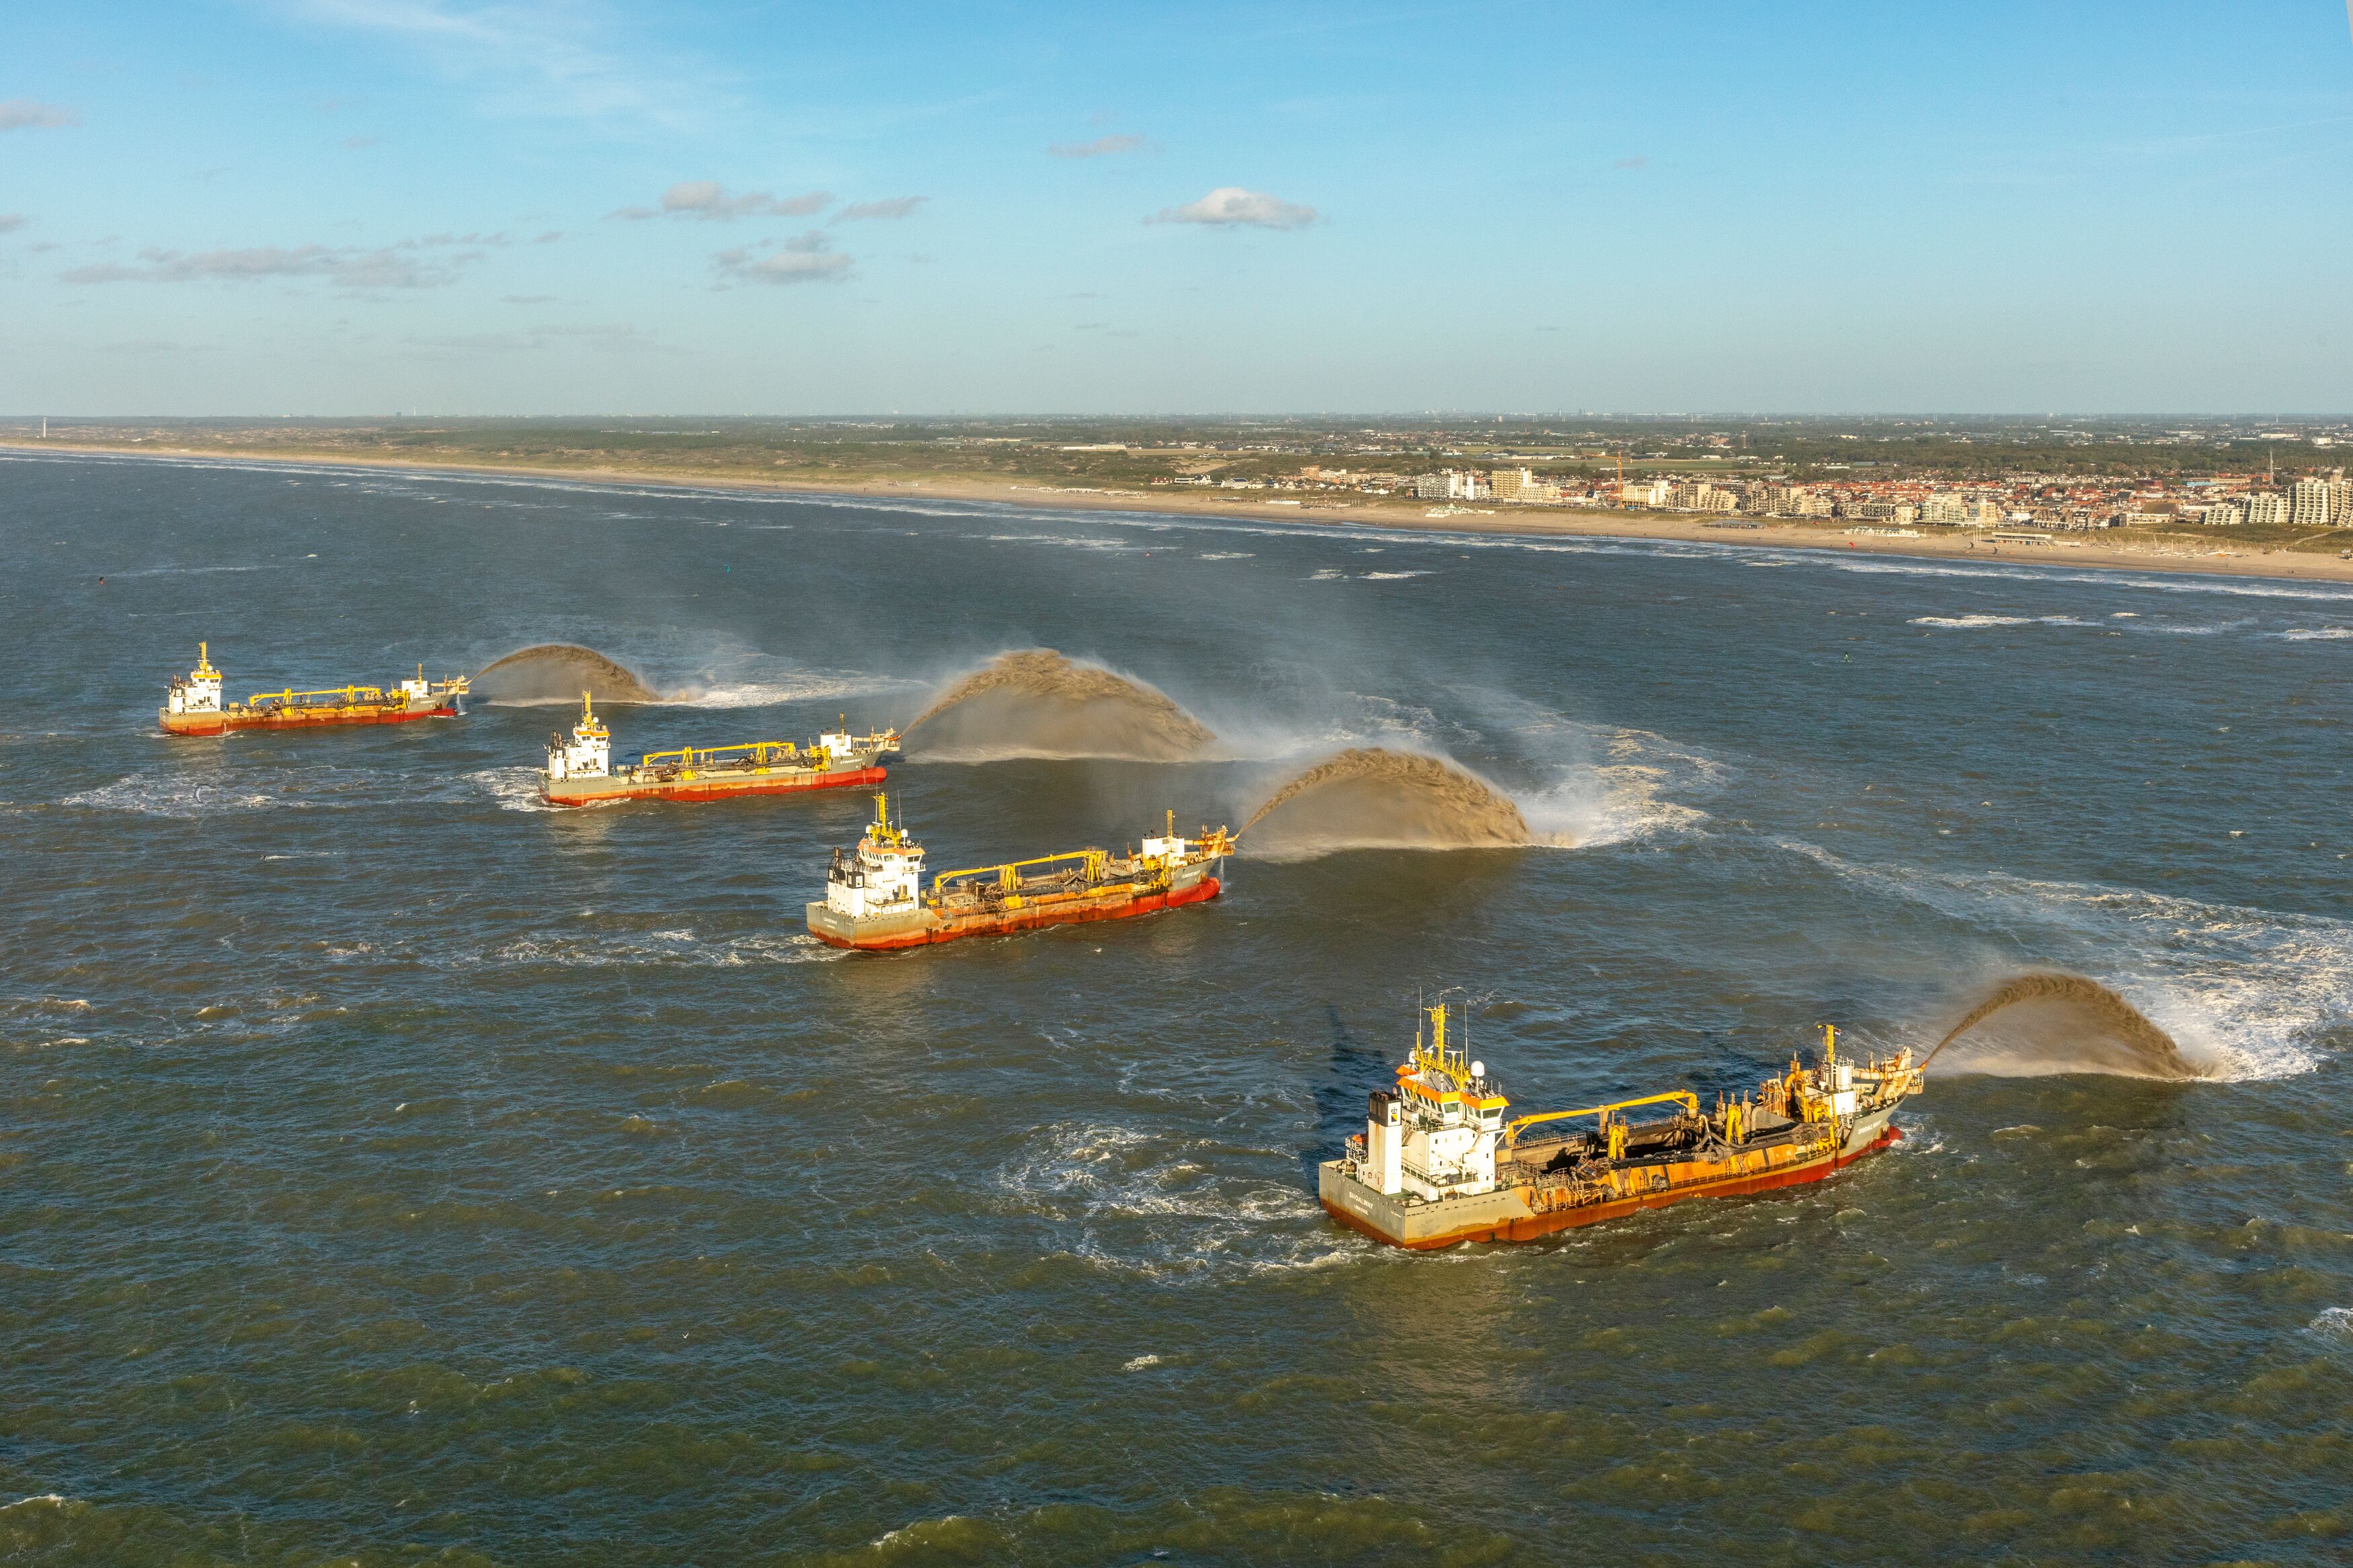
(25, 114)
(354, 143)
(1100, 147)
(1638, 161)
(1231, 206)
(553, 57)
(808, 259)
(708, 200)
(897, 207)
(410, 265)
(11, 222)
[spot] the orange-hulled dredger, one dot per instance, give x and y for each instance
(1438, 1162)
(580, 770)
(194, 705)
(875, 895)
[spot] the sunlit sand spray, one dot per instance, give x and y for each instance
(1035, 702)
(1369, 798)
(2122, 1039)
(559, 672)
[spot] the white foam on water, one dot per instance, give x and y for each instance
(2317, 634)
(2335, 1324)
(1228, 555)
(515, 789)
(1972, 621)
(1391, 576)
(154, 797)
(2248, 991)
(1160, 1205)
(798, 686)
(684, 948)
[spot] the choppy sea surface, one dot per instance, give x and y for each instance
(391, 1170)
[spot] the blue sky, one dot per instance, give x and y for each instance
(541, 207)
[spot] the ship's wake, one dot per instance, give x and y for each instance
(1037, 703)
(1368, 798)
(2047, 1021)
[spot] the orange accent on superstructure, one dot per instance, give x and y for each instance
(1068, 908)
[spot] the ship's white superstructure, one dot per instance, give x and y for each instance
(588, 754)
(883, 875)
(200, 691)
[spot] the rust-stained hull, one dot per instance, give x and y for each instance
(1519, 1214)
(929, 927)
(705, 786)
(318, 717)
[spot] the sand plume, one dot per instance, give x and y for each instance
(559, 672)
(1369, 798)
(1035, 702)
(2072, 1025)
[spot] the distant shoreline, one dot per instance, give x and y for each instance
(1680, 527)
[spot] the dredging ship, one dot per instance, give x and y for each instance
(874, 896)
(1437, 1162)
(580, 769)
(194, 705)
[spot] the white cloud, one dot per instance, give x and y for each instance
(808, 259)
(25, 114)
(897, 207)
(1230, 205)
(402, 266)
(1100, 147)
(708, 200)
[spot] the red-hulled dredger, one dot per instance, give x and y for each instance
(874, 896)
(194, 705)
(1437, 1164)
(580, 770)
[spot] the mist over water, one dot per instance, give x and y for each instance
(392, 1168)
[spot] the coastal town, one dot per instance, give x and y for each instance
(2028, 501)
(2209, 487)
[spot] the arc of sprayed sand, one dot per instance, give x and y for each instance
(1042, 672)
(2130, 1024)
(1488, 818)
(620, 684)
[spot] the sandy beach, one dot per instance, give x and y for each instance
(2079, 552)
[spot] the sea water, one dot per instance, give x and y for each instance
(392, 1168)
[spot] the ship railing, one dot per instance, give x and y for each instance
(1008, 877)
(333, 696)
(754, 754)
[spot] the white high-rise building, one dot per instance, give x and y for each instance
(2308, 503)
(2267, 506)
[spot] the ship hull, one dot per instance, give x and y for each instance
(924, 927)
(1516, 1214)
(707, 787)
(298, 718)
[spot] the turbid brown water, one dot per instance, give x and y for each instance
(1035, 702)
(2120, 1038)
(559, 672)
(1371, 797)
